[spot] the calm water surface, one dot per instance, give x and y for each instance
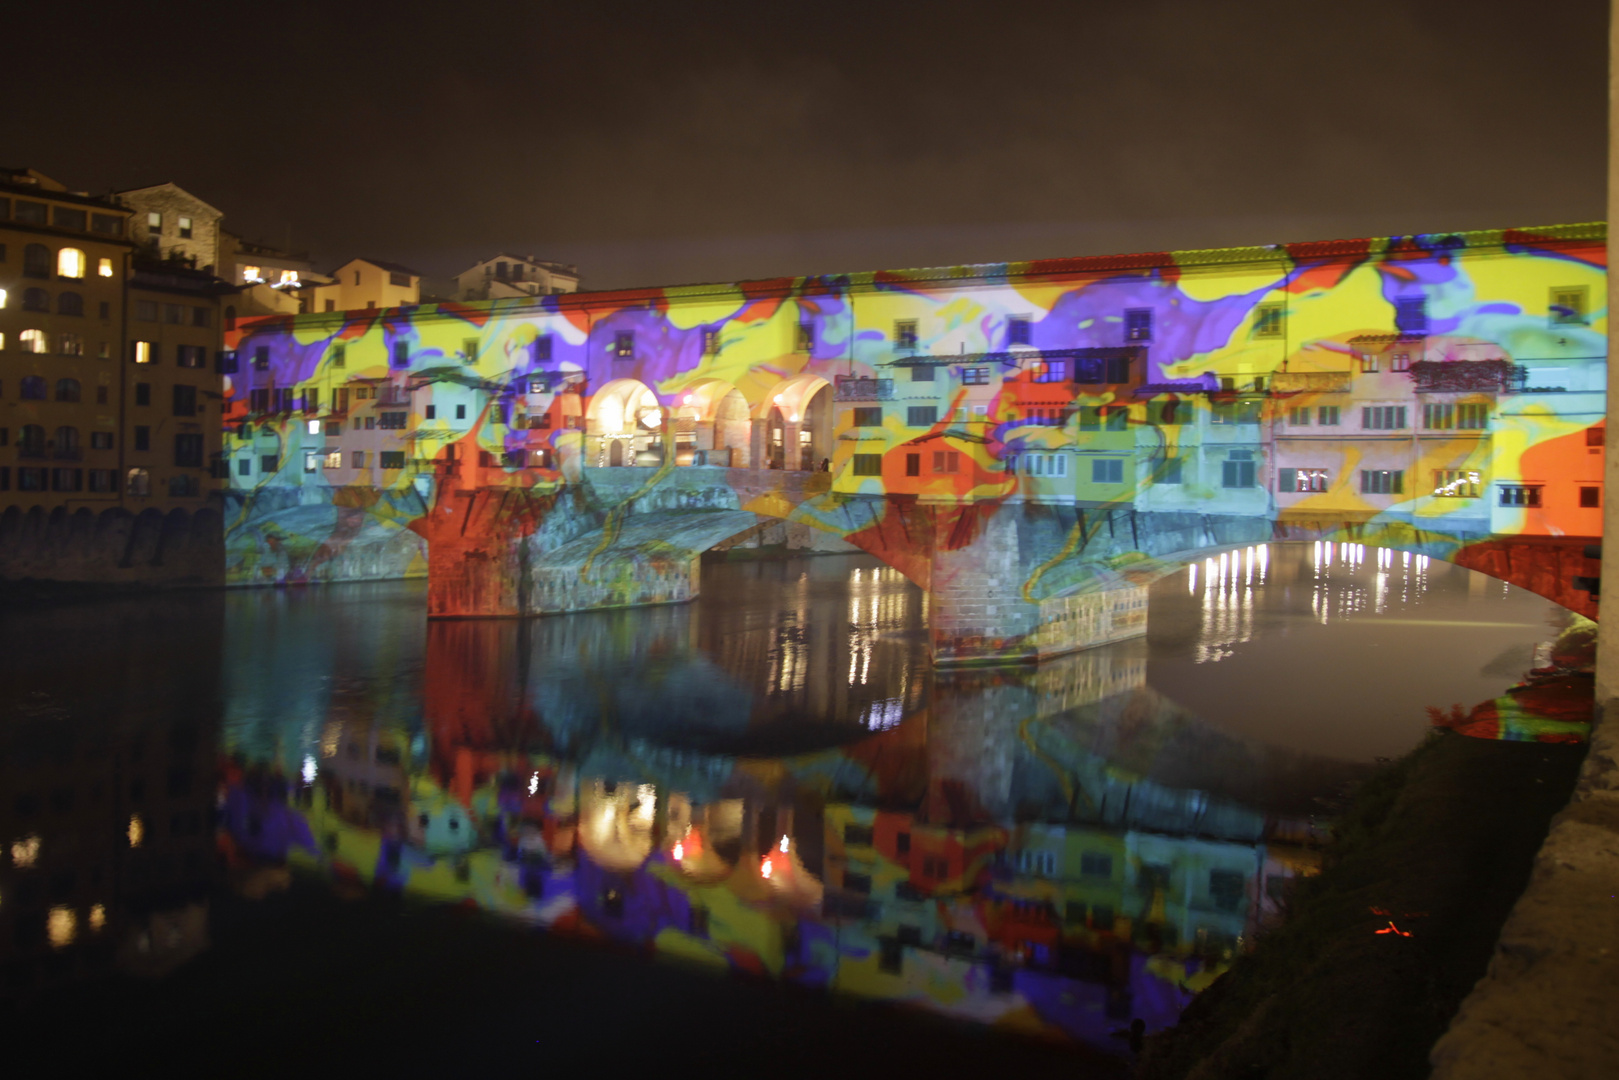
(771, 778)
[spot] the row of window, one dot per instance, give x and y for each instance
(1236, 472)
(67, 303)
(34, 387)
(70, 262)
(186, 356)
(97, 481)
(173, 314)
(32, 442)
(154, 224)
(38, 341)
(1440, 417)
(1566, 305)
(62, 217)
(329, 459)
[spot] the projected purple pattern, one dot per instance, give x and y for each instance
(1441, 394)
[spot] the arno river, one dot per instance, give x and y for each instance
(771, 778)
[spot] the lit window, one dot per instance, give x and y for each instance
(154, 222)
(34, 341)
(1520, 494)
(61, 926)
(2, 298)
(25, 852)
(137, 828)
(70, 263)
(334, 459)
(185, 228)
(104, 268)
(252, 273)
(98, 917)
(143, 352)
(314, 427)
(289, 277)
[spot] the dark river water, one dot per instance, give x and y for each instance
(771, 779)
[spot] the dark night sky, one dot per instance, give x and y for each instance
(671, 143)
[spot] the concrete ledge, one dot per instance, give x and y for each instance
(1546, 1008)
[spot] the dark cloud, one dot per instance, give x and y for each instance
(663, 143)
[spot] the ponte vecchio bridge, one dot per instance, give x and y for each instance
(1031, 443)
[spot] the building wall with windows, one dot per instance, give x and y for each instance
(1454, 382)
(171, 223)
(503, 276)
(172, 419)
(63, 270)
(367, 284)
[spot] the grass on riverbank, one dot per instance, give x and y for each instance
(1442, 842)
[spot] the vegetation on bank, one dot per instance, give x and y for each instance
(1380, 948)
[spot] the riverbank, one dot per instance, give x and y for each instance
(1380, 949)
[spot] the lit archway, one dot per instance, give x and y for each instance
(624, 425)
(712, 425)
(798, 417)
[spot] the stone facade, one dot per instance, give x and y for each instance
(172, 223)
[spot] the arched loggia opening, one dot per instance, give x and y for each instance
(798, 425)
(712, 425)
(624, 425)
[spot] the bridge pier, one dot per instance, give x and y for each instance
(980, 610)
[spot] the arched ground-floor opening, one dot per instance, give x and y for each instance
(624, 425)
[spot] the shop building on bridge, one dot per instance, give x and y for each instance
(1442, 378)
(1440, 394)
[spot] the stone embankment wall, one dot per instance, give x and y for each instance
(112, 547)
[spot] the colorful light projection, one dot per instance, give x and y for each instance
(969, 918)
(1448, 384)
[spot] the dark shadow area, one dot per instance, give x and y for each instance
(308, 983)
(1384, 944)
